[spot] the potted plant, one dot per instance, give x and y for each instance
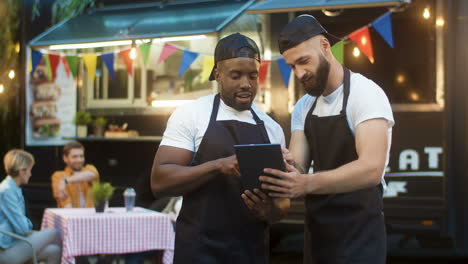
(82, 120)
(102, 192)
(99, 124)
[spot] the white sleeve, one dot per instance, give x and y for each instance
(274, 130)
(279, 137)
(180, 131)
(300, 111)
(369, 102)
(283, 139)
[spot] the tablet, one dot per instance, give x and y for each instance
(253, 158)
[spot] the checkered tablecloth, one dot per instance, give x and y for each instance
(85, 232)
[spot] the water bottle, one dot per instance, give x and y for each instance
(129, 197)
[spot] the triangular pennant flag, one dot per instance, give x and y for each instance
(48, 68)
(145, 51)
(108, 59)
(208, 63)
(338, 51)
(73, 64)
(285, 71)
(383, 25)
(54, 62)
(90, 63)
(363, 41)
(167, 51)
(262, 72)
(36, 57)
(125, 54)
(187, 59)
(65, 66)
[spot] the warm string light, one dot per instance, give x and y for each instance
(133, 53)
(414, 96)
(400, 78)
(426, 13)
(356, 52)
(2, 88)
(11, 74)
(363, 40)
(440, 22)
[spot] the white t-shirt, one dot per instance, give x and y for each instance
(189, 122)
(366, 101)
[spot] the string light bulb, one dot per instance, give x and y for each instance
(414, 96)
(400, 78)
(440, 22)
(426, 13)
(133, 52)
(363, 40)
(2, 88)
(356, 52)
(11, 74)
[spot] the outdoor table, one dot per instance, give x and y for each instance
(85, 232)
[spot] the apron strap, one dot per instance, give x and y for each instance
(346, 82)
(261, 126)
(258, 121)
(214, 111)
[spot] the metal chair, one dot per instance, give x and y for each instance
(21, 238)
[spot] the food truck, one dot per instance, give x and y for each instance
(133, 64)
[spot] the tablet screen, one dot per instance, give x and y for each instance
(253, 158)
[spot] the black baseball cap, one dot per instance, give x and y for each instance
(301, 29)
(234, 46)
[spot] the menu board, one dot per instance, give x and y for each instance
(50, 106)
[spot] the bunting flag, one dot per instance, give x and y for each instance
(90, 63)
(125, 54)
(54, 62)
(167, 51)
(338, 51)
(262, 72)
(72, 62)
(208, 63)
(187, 59)
(48, 70)
(383, 25)
(363, 41)
(108, 59)
(65, 66)
(285, 71)
(145, 51)
(36, 57)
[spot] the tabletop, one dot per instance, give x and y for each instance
(85, 232)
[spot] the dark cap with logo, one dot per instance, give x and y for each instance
(301, 29)
(234, 46)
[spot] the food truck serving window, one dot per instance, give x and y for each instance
(155, 80)
(147, 77)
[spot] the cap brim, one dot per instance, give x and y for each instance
(212, 77)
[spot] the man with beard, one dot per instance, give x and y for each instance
(219, 221)
(71, 186)
(343, 124)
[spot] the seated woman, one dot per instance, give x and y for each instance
(47, 244)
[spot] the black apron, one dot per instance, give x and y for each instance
(214, 224)
(345, 227)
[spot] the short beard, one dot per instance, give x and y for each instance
(315, 84)
(230, 100)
